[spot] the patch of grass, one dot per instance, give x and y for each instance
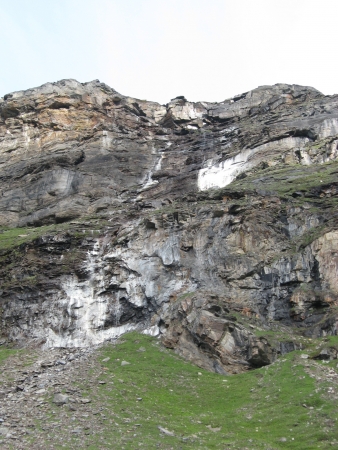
(282, 336)
(313, 234)
(6, 352)
(10, 238)
(310, 346)
(285, 180)
(13, 237)
(258, 409)
(315, 346)
(186, 295)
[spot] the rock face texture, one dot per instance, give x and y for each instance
(208, 224)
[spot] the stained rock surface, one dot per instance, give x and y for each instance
(204, 223)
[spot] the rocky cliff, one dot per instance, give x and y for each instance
(212, 225)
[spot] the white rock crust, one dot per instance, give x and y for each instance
(83, 306)
(86, 309)
(223, 173)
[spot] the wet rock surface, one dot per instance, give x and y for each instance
(202, 223)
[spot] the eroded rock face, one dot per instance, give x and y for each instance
(204, 223)
(203, 330)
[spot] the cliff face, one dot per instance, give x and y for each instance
(206, 223)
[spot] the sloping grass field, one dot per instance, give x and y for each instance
(281, 406)
(144, 396)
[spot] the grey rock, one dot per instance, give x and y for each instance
(60, 399)
(47, 364)
(60, 362)
(165, 431)
(125, 363)
(40, 391)
(214, 429)
(327, 354)
(163, 243)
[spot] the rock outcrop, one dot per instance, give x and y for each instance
(206, 223)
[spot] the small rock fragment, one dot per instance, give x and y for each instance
(60, 362)
(40, 391)
(4, 431)
(125, 363)
(165, 431)
(47, 364)
(214, 429)
(60, 399)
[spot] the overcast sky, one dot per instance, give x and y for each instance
(159, 49)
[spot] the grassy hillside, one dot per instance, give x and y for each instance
(281, 406)
(159, 401)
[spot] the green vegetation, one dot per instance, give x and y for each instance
(315, 346)
(6, 353)
(313, 234)
(288, 405)
(13, 237)
(275, 407)
(285, 180)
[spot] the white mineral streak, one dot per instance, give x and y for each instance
(26, 136)
(328, 128)
(147, 277)
(106, 139)
(86, 308)
(220, 174)
(223, 173)
(141, 277)
(152, 331)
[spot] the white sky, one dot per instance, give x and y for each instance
(159, 49)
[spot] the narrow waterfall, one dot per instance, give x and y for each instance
(149, 180)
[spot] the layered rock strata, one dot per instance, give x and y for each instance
(205, 223)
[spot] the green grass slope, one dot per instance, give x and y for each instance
(287, 405)
(159, 401)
